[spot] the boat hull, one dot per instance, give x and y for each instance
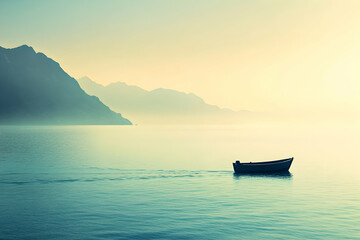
(263, 167)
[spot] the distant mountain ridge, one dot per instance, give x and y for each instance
(34, 89)
(160, 105)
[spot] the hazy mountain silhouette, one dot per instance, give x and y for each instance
(160, 105)
(34, 89)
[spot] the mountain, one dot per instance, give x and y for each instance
(160, 105)
(34, 89)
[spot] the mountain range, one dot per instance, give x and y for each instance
(160, 106)
(34, 89)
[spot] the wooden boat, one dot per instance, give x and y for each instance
(282, 165)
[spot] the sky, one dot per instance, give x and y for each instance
(289, 57)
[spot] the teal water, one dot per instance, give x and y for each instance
(119, 182)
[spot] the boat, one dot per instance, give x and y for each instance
(282, 165)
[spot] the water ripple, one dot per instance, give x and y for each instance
(124, 175)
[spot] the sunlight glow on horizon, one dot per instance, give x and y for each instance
(280, 56)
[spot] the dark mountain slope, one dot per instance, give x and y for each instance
(34, 89)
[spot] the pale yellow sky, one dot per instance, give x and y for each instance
(281, 56)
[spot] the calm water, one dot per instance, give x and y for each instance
(116, 182)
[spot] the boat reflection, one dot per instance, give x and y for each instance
(280, 175)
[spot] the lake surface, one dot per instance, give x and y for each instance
(137, 182)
